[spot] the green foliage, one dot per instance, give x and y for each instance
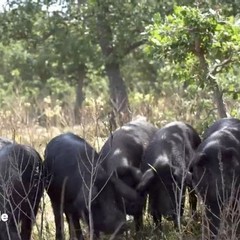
(45, 50)
(198, 44)
(175, 36)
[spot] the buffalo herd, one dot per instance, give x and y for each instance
(139, 165)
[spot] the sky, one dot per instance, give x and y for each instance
(2, 4)
(56, 6)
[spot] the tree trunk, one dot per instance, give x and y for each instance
(118, 93)
(79, 94)
(117, 88)
(218, 99)
(212, 83)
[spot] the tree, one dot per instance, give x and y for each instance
(205, 42)
(55, 42)
(116, 42)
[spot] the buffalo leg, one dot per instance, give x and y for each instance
(138, 219)
(26, 228)
(192, 201)
(78, 229)
(70, 226)
(74, 227)
(182, 205)
(157, 216)
(213, 215)
(12, 230)
(28, 220)
(58, 221)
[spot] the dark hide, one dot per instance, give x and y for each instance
(216, 171)
(72, 167)
(121, 155)
(21, 188)
(219, 124)
(165, 165)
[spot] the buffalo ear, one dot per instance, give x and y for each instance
(146, 181)
(188, 179)
(231, 156)
(124, 190)
(130, 175)
(200, 160)
(187, 175)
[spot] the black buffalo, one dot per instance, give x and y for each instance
(76, 183)
(122, 154)
(219, 124)
(166, 163)
(4, 142)
(21, 189)
(216, 172)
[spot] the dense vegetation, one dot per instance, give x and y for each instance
(95, 62)
(57, 58)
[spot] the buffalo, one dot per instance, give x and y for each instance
(121, 155)
(4, 142)
(21, 188)
(219, 124)
(216, 173)
(165, 168)
(79, 187)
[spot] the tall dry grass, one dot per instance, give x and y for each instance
(22, 123)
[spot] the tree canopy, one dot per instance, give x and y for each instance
(113, 51)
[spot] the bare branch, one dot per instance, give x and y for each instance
(218, 67)
(134, 46)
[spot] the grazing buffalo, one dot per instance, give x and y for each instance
(21, 189)
(4, 142)
(219, 124)
(216, 173)
(79, 187)
(121, 155)
(165, 165)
